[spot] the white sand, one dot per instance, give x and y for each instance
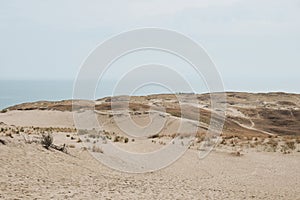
(38, 118)
(28, 171)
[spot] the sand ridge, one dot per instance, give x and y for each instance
(254, 159)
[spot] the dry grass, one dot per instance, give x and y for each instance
(291, 145)
(154, 136)
(236, 153)
(2, 141)
(97, 149)
(47, 140)
(126, 140)
(79, 140)
(272, 145)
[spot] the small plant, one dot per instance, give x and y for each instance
(84, 148)
(2, 142)
(288, 147)
(126, 140)
(104, 141)
(291, 145)
(285, 149)
(272, 145)
(82, 131)
(236, 153)
(97, 149)
(47, 140)
(117, 139)
(132, 140)
(223, 141)
(9, 135)
(153, 136)
(94, 135)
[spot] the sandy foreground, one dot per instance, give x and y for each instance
(32, 172)
(29, 171)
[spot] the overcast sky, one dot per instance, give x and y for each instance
(255, 44)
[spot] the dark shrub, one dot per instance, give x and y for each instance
(47, 140)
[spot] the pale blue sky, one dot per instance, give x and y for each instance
(255, 44)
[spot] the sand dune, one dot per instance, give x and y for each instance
(38, 118)
(257, 156)
(30, 171)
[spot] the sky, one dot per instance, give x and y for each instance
(255, 44)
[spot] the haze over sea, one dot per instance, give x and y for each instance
(20, 91)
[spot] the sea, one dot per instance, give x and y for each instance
(14, 92)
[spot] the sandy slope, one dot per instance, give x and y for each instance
(38, 118)
(30, 171)
(247, 113)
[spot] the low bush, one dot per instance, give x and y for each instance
(126, 140)
(97, 149)
(291, 145)
(47, 140)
